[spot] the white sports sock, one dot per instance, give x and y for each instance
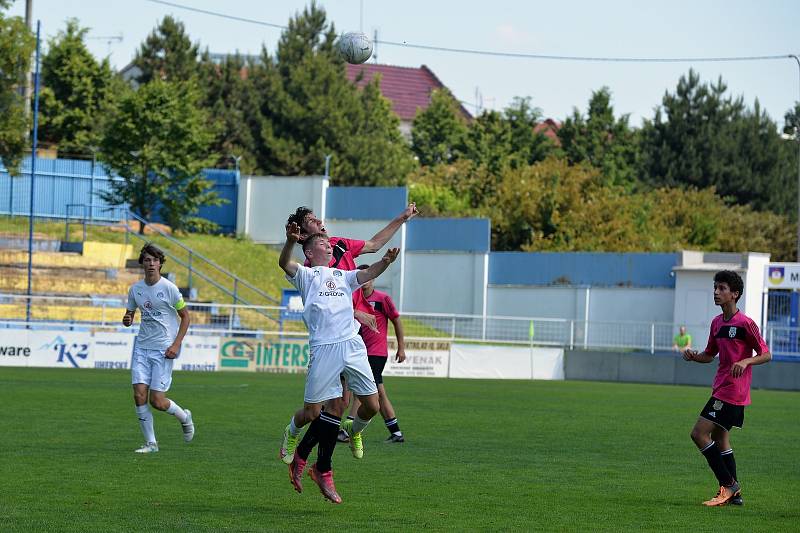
(294, 430)
(177, 411)
(146, 422)
(359, 425)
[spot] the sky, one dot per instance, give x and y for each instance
(609, 28)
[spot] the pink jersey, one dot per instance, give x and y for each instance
(734, 340)
(384, 310)
(345, 252)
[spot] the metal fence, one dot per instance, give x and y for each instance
(250, 320)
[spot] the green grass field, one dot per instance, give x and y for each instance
(480, 455)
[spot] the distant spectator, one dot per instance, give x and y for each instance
(682, 341)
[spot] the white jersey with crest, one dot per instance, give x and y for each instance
(159, 304)
(327, 303)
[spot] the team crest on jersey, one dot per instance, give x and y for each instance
(717, 405)
(160, 295)
(337, 272)
(732, 332)
(331, 284)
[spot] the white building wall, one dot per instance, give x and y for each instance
(444, 283)
(614, 304)
(528, 301)
(634, 304)
(265, 202)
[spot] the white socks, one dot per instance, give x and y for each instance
(359, 425)
(176, 410)
(294, 430)
(146, 422)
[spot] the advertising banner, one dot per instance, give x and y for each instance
(14, 347)
(271, 353)
(198, 353)
(112, 350)
(429, 359)
(67, 349)
(506, 362)
(782, 276)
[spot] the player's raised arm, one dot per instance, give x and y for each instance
(285, 260)
(380, 239)
(376, 269)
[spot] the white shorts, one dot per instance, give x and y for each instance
(151, 368)
(328, 361)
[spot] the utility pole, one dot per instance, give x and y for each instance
(28, 75)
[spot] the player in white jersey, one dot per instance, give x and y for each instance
(336, 348)
(157, 345)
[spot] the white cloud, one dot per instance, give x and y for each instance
(510, 35)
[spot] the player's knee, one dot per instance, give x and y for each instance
(370, 404)
(697, 436)
(159, 403)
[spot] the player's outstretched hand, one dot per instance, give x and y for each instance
(292, 232)
(390, 255)
(688, 354)
(410, 212)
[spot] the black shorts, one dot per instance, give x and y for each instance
(723, 414)
(376, 363)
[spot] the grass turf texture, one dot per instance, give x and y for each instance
(480, 455)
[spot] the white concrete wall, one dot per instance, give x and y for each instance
(444, 283)
(265, 202)
(755, 287)
(614, 304)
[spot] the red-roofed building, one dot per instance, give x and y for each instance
(407, 88)
(549, 128)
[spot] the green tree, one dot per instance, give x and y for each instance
(791, 119)
(378, 154)
(605, 142)
(309, 110)
(452, 190)
(230, 98)
(703, 138)
(488, 142)
(527, 145)
(167, 53)
(16, 46)
(158, 142)
(437, 130)
(77, 92)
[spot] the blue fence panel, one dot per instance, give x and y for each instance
(71, 188)
(449, 234)
(226, 185)
(582, 268)
(365, 203)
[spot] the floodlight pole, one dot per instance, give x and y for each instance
(797, 140)
(33, 169)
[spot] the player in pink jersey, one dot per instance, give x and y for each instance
(734, 336)
(344, 253)
(378, 352)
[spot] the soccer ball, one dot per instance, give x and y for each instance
(354, 47)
